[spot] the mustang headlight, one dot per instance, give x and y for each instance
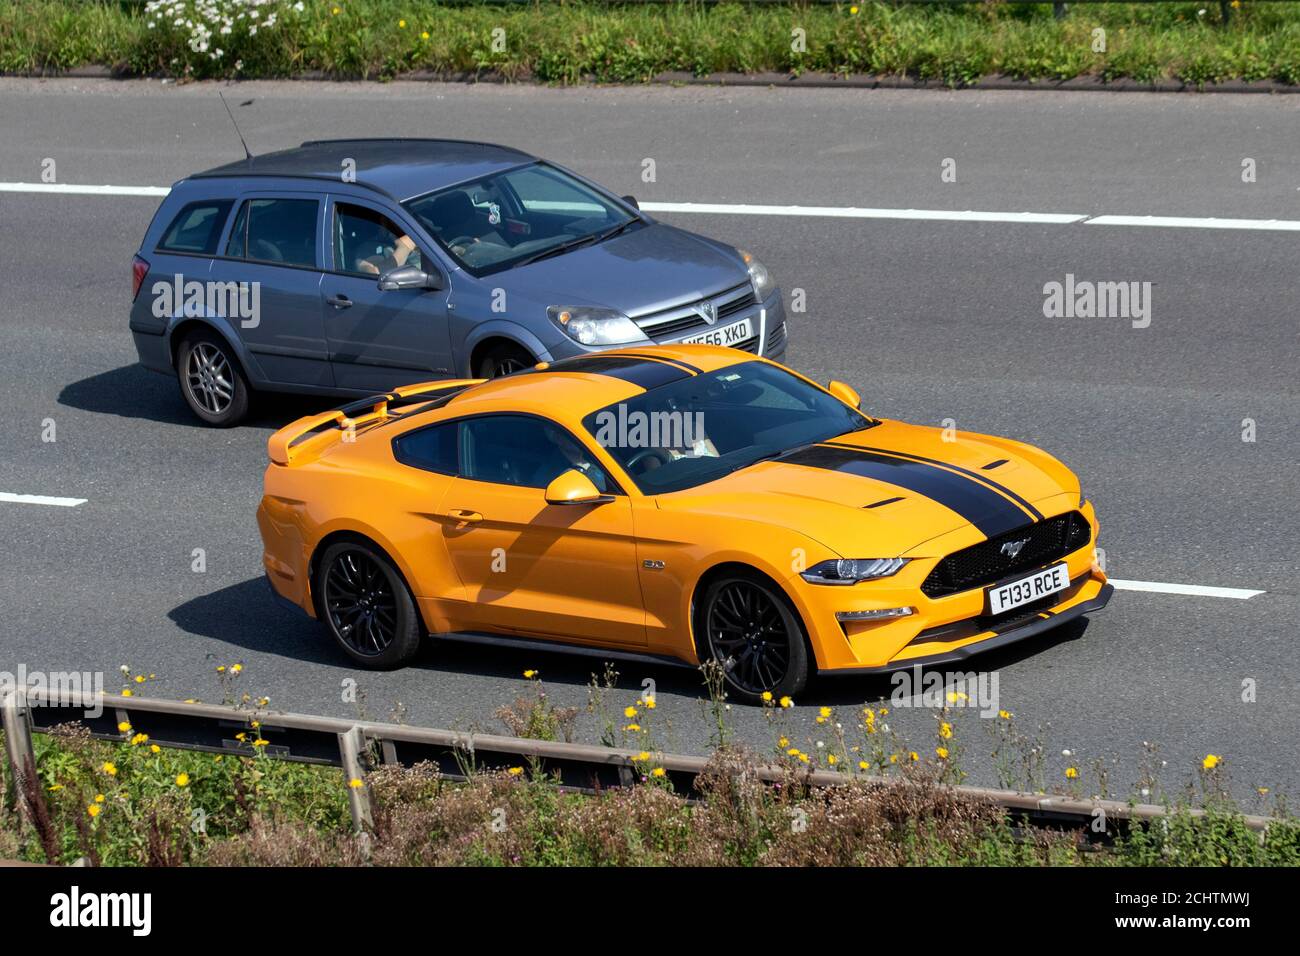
(852, 570)
(758, 275)
(592, 326)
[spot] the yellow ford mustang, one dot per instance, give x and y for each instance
(676, 503)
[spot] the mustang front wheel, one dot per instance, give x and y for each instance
(750, 629)
(366, 606)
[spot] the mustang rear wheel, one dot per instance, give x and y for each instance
(366, 606)
(749, 627)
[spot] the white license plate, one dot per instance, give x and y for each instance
(725, 335)
(1004, 597)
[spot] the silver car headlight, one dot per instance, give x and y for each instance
(759, 277)
(594, 326)
(852, 570)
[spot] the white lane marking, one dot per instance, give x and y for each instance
(1191, 590)
(84, 190)
(40, 500)
(857, 212)
(1186, 222)
(832, 212)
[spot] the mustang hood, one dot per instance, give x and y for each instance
(889, 489)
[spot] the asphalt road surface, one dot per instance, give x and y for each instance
(929, 320)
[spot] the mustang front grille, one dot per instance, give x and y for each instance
(987, 562)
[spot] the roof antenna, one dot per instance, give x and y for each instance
(247, 155)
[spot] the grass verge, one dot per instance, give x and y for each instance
(134, 803)
(571, 42)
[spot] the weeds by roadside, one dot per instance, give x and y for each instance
(574, 42)
(132, 802)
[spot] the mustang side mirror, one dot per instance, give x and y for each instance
(845, 393)
(631, 201)
(409, 277)
(572, 487)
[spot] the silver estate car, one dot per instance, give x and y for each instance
(350, 267)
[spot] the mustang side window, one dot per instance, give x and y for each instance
(433, 448)
(197, 227)
(369, 243)
(519, 450)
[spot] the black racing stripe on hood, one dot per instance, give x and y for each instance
(647, 373)
(973, 500)
(985, 479)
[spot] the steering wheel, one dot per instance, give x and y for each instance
(644, 455)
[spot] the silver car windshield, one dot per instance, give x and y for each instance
(517, 216)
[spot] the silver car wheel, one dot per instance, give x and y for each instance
(209, 378)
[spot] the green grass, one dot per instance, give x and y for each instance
(563, 42)
(127, 804)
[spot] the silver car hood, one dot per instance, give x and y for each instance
(642, 271)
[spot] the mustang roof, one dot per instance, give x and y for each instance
(572, 388)
(402, 168)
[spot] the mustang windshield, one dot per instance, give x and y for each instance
(698, 429)
(517, 216)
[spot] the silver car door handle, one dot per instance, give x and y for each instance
(339, 301)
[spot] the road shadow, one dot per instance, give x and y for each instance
(130, 392)
(133, 391)
(245, 615)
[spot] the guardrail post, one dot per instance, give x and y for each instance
(351, 745)
(18, 746)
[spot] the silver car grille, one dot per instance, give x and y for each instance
(683, 319)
